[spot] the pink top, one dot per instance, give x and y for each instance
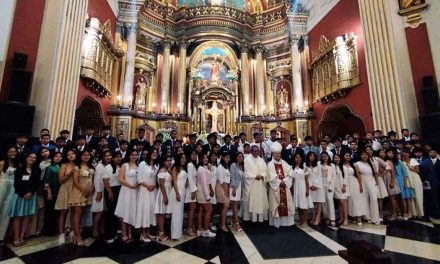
(203, 180)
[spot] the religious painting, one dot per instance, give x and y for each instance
(212, 67)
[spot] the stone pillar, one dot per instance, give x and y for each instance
(305, 62)
(297, 95)
(7, 13)
(165, 88)
(391, 88)
(181, 86)
(244, 96)
(259, 80)
(127, 96)
(56, 77)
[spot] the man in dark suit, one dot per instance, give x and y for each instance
(92, 141)
(354, 151)
(81, 143)
(140, 139)
(169, 144)
(44, 142)
(66, 135)
(228, 147)
(188, 148)
(430, 176)
(60, 145)
(212, 140)
(288, 154)
(21, 142)
(110, 139)
(339, 149)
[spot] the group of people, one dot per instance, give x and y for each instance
(135, 185)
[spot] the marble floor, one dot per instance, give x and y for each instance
(403, 241)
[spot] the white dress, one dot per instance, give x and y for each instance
(127, 200)
(340, 181)
(416, 185)
(98, 182)
(192, 182)
(145, 216)
(177, 207)
(315, 179)
(356, 202)
(160, 207)
(371, 191)
(213, 183)
(328, 185)
(300, 200)
(380, 166)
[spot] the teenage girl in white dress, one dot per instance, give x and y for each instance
(356, 202)
(342, 191)
(328, 173)
(313, 169)
(191, 191)
(127, 200)
(301, 197)
(162, 206)
(364, 168)
(147, 191)
(177, 195)
(222, 188)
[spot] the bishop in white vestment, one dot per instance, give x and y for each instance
(255, 202)
(281, 208)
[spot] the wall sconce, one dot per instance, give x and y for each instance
(306, 106)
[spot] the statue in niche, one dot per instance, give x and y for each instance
(215, 112)
(215, 71)
(282, 97)
(141, 92)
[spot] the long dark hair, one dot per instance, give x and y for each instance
(223, 163)
(340, 165)
(52, 155)
(35, 167)
(240, 166)
(163, 160)
(15, 161)
(201, 156)
(177, 166)
(103, 155)
(65, 160)
(394, 160)
(194, 162)
(78, 159)
(313, 163)
(301, 165)
(150, 153)
(329, 160)
(368, 160)
(114, 166)
(210, 158)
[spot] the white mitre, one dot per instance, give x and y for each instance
(275, 147)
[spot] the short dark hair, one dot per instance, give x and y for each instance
(123, 142)
(228, 136)
(273, 131)
(306, 138)
(106, 127)
(64, 131)
(242, 134)
(404, 129)
(141, 129)
(60, 139)
(211, 135)
(292, 138)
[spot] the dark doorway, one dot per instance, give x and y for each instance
(340, 120)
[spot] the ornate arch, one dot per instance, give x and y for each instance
(335, 119)
(197, 55)
(88, 114)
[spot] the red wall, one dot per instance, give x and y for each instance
(345, 18)
(25, 36)
(420, 57)
(101, 10)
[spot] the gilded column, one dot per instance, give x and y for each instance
(297, 98)
(392, 96)
(56, 77)
(259, 87)
(244, 80)
(181, 87)
(127, 97)
(165, 88)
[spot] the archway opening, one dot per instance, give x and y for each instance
(340, 120)
(88, 114)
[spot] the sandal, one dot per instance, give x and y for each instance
(190, 232)
(162, 237)
(18, 243)
(125, 239)
(237, 227)
(80, 244)
(332, 223)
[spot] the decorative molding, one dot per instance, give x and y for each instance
(99, 56)
(412, 9)
(318, 9)
(335, 68)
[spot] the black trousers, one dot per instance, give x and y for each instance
(50, 226)
(112, 221)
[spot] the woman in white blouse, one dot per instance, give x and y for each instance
(341, 189)
(191, 191)
(328, 173)
(222, 188)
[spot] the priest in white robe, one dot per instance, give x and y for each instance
(281, 208)
(255, 201)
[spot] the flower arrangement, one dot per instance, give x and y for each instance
(198, 76)
(231, 76)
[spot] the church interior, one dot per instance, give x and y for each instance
(299, 67)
